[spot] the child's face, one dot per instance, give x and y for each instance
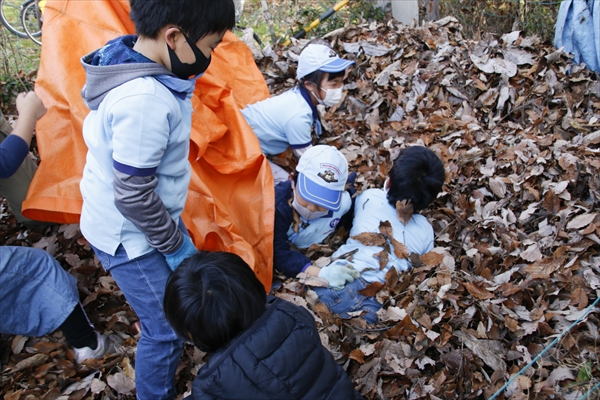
(312, 207)
(335, 83)
(209, 42)
(206, 44)
(332, 87)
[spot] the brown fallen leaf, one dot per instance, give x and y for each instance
(579, 298)
(385, 227)
(511, 324)
(552, 202)
(400, 250)
(32, 361)
(432, 259)
(404, 209)
(41, 371)
(382, 257)
(357, 355)
(47, 347)
(372, 289)
(370, 239)
(478, 292)
(391, 278)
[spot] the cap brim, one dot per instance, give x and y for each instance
(317, 194)
(336, 65)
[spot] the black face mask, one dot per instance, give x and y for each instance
(184, 71)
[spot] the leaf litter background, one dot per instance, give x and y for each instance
(517, 228)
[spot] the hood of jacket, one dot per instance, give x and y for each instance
(117, 63)
(279, 356)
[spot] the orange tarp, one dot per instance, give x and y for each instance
(230, 204)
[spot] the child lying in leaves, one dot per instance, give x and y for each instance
(386, 229)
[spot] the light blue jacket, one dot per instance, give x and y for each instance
(370, 209)
(136, 177)
(578, 31)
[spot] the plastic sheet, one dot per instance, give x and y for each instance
(230, 205)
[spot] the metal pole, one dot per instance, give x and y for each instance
(269, 19)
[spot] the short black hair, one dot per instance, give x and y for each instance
(417, 175)
(196, 18)
(212, 297)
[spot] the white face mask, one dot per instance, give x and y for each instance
(306, 213)
(332, 97)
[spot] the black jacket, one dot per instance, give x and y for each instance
(279, 357)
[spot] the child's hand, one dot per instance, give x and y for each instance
(30, 106)
(187, 249)
(338, 273)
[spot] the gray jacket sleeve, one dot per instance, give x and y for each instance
(136, 199)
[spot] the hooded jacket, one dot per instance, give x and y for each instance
(286, 241)
(136, 176)
(279, 356)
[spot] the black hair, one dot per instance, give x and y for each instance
(212, 297)
(196, 18)
(317, 76)
(417, 175)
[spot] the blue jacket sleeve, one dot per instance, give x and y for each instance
(13, 151)
(286, 259)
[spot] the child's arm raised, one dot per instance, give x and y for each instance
(30, 108)
(15, 147)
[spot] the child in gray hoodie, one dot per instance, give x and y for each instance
(137, 173)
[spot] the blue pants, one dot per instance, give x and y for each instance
(36, 293)
(142, 281)
(348, 299)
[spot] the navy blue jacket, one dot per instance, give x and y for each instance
(279, 357)
(13, 151)
(285, 258)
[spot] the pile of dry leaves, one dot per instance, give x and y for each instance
(517, 229)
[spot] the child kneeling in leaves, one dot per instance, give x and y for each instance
(417, 176)
(308, 208)
(260, 347)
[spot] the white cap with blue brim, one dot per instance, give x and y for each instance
(318, 57)
(323, 172)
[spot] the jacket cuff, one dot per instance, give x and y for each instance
(306, 266)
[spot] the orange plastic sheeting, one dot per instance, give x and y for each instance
(230, 205)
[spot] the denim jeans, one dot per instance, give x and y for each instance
(142, 281)
(348, 299)
(36, 293)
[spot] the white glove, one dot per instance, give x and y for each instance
(338, 273)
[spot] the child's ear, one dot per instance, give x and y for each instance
(172, 35)
(387, 183)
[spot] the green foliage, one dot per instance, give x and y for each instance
(585, 373)
(532, 17)
(354, 12)
(10, 86)
(19, 61)
(289, 17)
